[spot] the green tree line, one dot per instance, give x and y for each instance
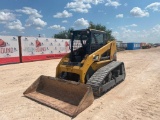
(66, 33)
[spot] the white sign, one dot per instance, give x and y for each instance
(9, 46)
(43, 46)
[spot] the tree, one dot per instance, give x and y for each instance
(64, 34)
(102, 28)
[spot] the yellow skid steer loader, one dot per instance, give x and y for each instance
(90, 69)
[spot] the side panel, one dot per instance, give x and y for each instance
(9, 49)
(111, 47)
(96, 65)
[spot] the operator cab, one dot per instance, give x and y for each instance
(85, 42)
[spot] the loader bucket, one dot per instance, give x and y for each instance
(68, 97)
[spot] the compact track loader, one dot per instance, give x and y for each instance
(90, 69)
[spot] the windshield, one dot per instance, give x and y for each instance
(97, 38)
(80, 40)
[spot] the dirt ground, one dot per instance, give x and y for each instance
(136, 98)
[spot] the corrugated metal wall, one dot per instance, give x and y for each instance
(133, 46)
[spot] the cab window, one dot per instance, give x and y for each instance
(97, 38)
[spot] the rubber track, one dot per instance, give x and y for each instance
(97, 78)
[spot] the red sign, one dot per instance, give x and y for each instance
(2, 43)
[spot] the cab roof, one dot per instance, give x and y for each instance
(90, 30)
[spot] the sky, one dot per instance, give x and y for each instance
(129, 20)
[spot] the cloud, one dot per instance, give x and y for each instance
(95, 2)
(108, 23)
(64, 14)
(30, 11)
(130, 35)
(4, 32)
(78, 6)
(133, 25)
(64, 21)
(119, 16)
(138, 12)
(6, 16)
(115, 34)
(156, 29)
(125, 4)
(82, 6)
(127, 35)
(15, 25)
(81, 23)
(38, 28)
(154, 6)
(57, 27)
(112, 3)
(34, 19)
(36, 22)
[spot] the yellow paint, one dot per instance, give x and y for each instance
(87, 62)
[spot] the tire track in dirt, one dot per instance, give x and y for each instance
(136, 98)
